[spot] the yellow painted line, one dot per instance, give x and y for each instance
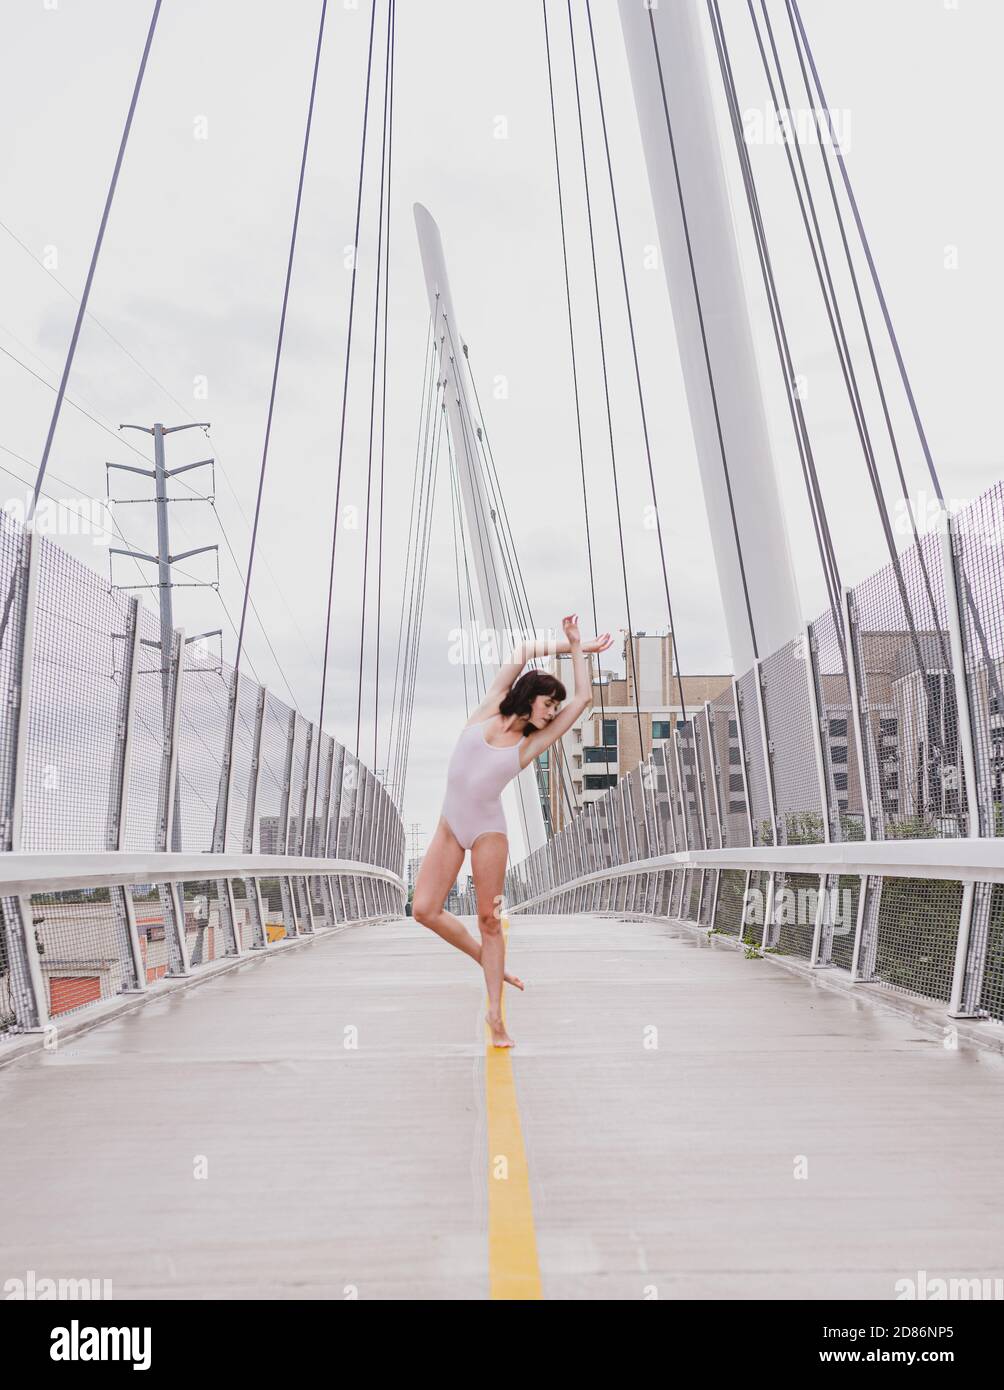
(512, 1242)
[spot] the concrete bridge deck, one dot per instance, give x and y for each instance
(330, 1122)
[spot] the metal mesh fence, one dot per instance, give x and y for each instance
(151, 928)
(153, 690)
(80, 671)
(99, 705)
(707, 785)
(756, 766)
(843, 918)
(979, 541)
(691, 787)
(755, 909)
(910, 716)
(298, 802)
(787, 707)
(796, 899)
(676, 796)
(839, 742)
(81, 948)
(918, 924)
(269, 829)
(663, 810)
(201, 733)
(725, 739)
(243, 752)
(729, 909)
(708, 901)
(991, 996)
(12, 584)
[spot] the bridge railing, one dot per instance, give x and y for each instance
(156, 810)
(842, 801)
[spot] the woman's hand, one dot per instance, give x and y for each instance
(595, 644)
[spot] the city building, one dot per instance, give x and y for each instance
(605, 744)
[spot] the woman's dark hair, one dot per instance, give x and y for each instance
(524, 691)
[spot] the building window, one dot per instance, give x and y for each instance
(840, 781)
(610, 732)
(600, 755)
(661, 728)
(888, 727)
(838, 728)
(734, 757)
(839, 754)
(735, 782)
(733, 729)
(736, 806)
(595, 782)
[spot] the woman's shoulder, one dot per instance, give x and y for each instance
(476, 720)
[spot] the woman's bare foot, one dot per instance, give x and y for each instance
(513, 980)
(500, 1038)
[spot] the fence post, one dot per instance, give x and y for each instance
(28, 989)
(860, 732)
(681, 787)
(744, 769)
(224, 887)
(715, 770)
(325, 879)
(969, 783)
(172, 894)
(254, 895)
(866, 931)
(761, 709)
(303, 882)
(334, 886)
(816, 721)
(865, 887)
(702, 818)
(120, 898)
(289, 916)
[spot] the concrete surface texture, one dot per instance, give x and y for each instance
(675, 1122)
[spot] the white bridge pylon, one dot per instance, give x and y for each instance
(669, 75)
(524, 814)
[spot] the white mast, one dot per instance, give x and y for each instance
(524, 815)
(666, 57)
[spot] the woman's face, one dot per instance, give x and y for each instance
(543, 710)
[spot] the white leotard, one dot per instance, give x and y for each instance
(476, 774)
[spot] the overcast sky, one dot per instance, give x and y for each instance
(191, 274)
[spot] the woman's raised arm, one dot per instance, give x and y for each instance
(582, 695)
(525, 651)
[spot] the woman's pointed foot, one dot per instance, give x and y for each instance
(500, 1038)
(513, 980)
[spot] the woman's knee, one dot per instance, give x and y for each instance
(423, 909)
(489, 923)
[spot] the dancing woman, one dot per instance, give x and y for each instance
(519, 717)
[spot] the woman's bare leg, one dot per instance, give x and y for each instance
(436, 876)
(488, 861)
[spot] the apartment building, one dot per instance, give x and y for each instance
(607, 741)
